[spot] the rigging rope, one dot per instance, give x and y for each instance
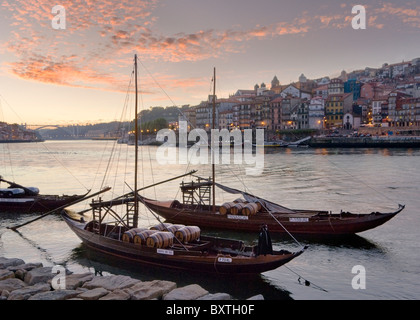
(213, 152)
(307, 283)
(62, 164)
(126, 102)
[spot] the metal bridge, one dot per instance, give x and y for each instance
(72, 130)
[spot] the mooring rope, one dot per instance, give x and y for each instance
(306, 282)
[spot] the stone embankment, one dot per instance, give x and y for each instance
(365, 142)
(33, 281)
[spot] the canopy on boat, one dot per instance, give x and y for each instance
(270, 206)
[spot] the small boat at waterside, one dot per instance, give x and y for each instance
(22, 141)
(272, 144)
(19, 199)
(366, 142)
(249, 213)
(167, 247)
(114, 231)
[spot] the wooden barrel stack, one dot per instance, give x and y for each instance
(160, 240)
(130, 234)
(240, 206)
(250, 209)
(161, 226)
(188, 234)
(226, 208)
(174, 228)
(237, 208)
(141, 237)
(162, 236)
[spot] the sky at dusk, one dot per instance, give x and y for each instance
(80, 74)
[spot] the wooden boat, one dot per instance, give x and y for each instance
(272, 144)
(206, 255)
(19, 199)
(110, 232)
(279, 221)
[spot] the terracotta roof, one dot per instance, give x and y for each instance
(399, 64)
(381, 98)
(233, 100)
(278, 99)
(342, 96)
(323, 87)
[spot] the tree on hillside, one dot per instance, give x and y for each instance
(169, 114)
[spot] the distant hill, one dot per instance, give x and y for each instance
(17, 133)
(153, 118)
(170, 114)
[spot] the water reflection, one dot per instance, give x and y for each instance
(352, 241)
(359, 180)
(43, 252)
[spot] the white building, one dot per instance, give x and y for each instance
(226, 119)
(291, 90)
(321, 91)
(262, 90)
(336, 86)
(377, 110)
(351, 122)
(316, 113)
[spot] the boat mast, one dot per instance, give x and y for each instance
(136, 137)
(213, 146)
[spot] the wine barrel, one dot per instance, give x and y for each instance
(174, 228)
(259, 205)
(250, 209)
(161, 226)
(226, 208)
(141, 237)
(188, 234)
(160, 240)
(239, 200)
(237, 208)
(129, 235)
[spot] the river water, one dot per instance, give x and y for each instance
(356, 180)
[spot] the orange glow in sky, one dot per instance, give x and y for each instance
(80, 74)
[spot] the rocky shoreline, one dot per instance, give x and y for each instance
(33, 281)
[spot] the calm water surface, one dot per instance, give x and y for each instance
(357, 180)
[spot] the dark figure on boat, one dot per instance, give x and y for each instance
(264, 242)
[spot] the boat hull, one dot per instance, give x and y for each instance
(36, 204)
(191, 261)
(314, 223)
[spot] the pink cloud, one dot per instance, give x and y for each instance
(101, 35)
(408, 16)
